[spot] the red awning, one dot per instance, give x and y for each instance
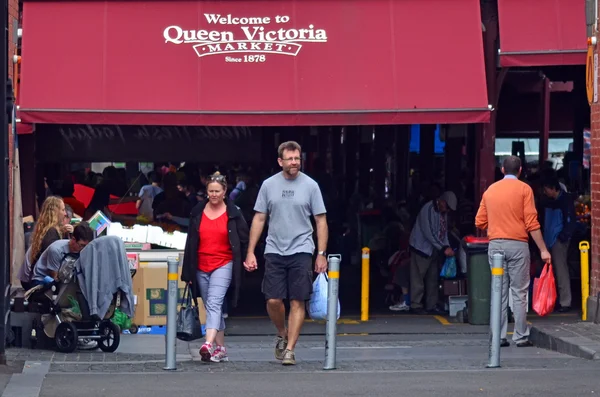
(542, 32)
(25, 128)
(252, 63)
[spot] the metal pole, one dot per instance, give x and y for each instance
(584, 248)
(496, 310)
(333, 287)
(364, 302)
(172, 276)
(4, 232)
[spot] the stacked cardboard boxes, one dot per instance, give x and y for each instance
(150, 289)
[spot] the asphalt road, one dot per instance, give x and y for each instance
(438, 360)
(366, 366)
(502, 382)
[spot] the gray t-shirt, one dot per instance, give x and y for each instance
(289, 204)
(51, 259)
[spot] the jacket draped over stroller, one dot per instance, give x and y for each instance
(102, 271)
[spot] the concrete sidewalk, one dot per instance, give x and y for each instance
(575, 338)
(399, 327)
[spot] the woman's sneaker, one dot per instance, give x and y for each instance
(206, 352)
(219, 355)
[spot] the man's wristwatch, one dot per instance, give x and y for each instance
(322, 253)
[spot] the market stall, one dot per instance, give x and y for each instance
(148, 249)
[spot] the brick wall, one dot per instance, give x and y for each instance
(595, 188)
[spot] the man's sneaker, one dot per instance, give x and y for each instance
(206, 352)
(219, 355)
(504, 343)
(289, 358)
(400, 307)
(280, 346)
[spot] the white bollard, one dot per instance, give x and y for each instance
(333, 288)
(496, 310)
(172, 292)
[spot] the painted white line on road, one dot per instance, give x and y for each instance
(364, 347)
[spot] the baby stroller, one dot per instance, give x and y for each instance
(73, 309)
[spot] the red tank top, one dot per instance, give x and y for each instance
(214, 249)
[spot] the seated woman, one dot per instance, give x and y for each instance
(49, 228)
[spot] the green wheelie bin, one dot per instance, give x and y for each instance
(479, 278)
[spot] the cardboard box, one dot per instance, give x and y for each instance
(150, 289)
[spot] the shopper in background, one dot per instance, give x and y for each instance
(428, 246)
(187, 188)
(217, 237)
(559, 225)
(507, 211)
(171, 200)
(147, 193)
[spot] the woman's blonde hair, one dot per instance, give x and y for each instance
(49, 218)
(218, 178)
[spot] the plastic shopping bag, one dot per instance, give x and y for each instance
(544, 292)
(449, 269)
(317, 306)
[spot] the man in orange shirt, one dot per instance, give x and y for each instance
(507, 211)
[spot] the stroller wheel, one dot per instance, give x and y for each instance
(10, 337)
(111, 336)
(134, 328)
(66, 337)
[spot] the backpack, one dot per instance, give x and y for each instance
(67, 268)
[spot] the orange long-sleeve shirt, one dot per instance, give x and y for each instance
(507, 211)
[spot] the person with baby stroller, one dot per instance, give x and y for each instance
(78, 285)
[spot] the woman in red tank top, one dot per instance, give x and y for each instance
(212, 260)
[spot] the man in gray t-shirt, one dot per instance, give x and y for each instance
(288, 199)
(47, 267)
(50, 261)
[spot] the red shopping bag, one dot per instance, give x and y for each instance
(544, 292)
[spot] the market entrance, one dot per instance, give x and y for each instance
(369, 99)
(373, 179)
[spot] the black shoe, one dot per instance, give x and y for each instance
(419, 311)
(526, 343)
(565, 309)
(435, 310)
(504, 343)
